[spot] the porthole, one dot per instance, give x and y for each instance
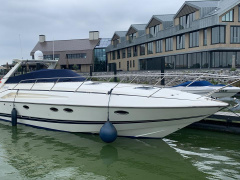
(26, 107)
(54, 109)
(120, 112)
(68, 110)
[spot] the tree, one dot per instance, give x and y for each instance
(75, 67)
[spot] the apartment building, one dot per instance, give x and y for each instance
(202, 34)
(77, 54)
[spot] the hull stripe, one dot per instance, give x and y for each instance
(98, 122)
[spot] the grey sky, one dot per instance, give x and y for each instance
(71, 19)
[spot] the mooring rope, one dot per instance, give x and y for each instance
(109, 93)
(15, 98)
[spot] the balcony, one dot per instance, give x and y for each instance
(149, 36)
(168, 32)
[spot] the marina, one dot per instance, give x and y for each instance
(98, 90)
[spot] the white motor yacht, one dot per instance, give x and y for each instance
(62, 100)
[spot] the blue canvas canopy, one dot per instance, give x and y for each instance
(43, 75)
(198, 83)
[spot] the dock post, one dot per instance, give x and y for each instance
(115, 71)
(162, 70)
(91, 70)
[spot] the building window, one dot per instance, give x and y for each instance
(194, 39)
(158, 46)
(113, 55)
(205, 60)
(153, 30)
(133, 63)
(205, 37)
(186, 21)
(170, 62)
(181, 61)
(169, 44)
(76, 56)
(132, 37)
(129, 54)
(142, 49)
(50, 57)
(228, 17)
(119, 65)
(218, 34)
(235, 34)
(150, 48)
(221, 59)
(100, 60)
(194, 60)
(181, 42)
(123, 53)
(239, 13)
(115, 42)
(135, 52)
(130, 64)
(118, 54)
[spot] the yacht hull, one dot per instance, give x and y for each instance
(140, 121)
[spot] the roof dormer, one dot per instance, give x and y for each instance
(118, 37)
(186, 15)
(135, 31)
(158, 23)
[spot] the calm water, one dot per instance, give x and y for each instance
(30, 153)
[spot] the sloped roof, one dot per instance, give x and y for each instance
(139, 27)
(163, 19)
(136, 28)
(192, 6)
(103, 43)
(201, 4)
(119, 34)
(66, 45)
(209, 8)
(224, 6)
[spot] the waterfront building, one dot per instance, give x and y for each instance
(202, 34)
(78, 54)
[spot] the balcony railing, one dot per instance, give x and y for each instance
(172, 31)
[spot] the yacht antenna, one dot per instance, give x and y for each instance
(53, 48)
(20, 45)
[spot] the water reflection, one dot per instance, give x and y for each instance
(214, 153)
(31, 153)
(109, 154)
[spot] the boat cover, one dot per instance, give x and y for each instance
(53, 74)
(199, 83)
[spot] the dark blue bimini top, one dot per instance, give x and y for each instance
(54, 74)
(198, 83)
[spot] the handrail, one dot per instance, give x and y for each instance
(169, 79)
(54, 84)
(81, 85)
(33, 84)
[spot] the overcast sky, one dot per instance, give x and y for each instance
(22, 21)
